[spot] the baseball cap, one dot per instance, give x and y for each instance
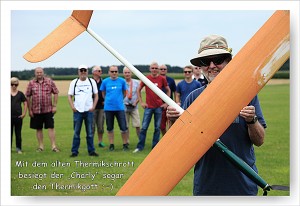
(211, 45)
(82, 66)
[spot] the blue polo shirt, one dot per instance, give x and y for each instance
(213, 173)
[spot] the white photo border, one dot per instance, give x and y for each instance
(8, 6)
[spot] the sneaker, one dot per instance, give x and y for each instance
(125, 147)
(111, 147)
(73, 155)
(19, 152)
(136, 150)
(93, 154)
(101, 144)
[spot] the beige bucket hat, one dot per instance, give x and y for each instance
(211, 45)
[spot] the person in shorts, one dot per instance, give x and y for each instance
(113, 90)
(42, 107)
(99, 117)
(131, 102)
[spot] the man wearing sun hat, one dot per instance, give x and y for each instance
(213, 173)
(85, 93)
(213, 47)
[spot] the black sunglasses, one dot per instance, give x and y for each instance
(188, 72)
(216, 60)
(163, 69)
(82, 70)
(15, 85)
(114, 71)
(154, 68)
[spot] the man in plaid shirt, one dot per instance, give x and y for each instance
(41, 109)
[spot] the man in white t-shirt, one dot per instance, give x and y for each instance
(85, 93)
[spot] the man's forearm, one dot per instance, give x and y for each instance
(256, 133)
(55, 99)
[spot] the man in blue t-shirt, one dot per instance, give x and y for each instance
(213, 173)
(113, 91)
(186, 86)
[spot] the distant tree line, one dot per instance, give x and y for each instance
(71, 71)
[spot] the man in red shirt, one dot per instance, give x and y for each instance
(41, 109)
(153, 106)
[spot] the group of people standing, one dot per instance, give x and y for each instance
(93, 99)
(40, 100)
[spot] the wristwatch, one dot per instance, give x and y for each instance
(253, 120)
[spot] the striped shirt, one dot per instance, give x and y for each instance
(41, 101)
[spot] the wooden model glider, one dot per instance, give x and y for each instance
(62, 35)
(208, 117)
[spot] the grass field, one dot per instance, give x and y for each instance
(54, 174)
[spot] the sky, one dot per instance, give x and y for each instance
(140, 36)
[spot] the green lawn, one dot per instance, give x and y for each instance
(273, 157)
(55, 173)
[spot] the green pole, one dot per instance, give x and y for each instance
(243, 166)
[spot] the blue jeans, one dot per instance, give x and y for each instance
(78, 118)
(146, 121)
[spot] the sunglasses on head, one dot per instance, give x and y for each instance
(114, 71)
(187, 72)
(82, 70)
(216, 60)
(15, 85)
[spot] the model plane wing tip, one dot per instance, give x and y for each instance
(31, 58)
